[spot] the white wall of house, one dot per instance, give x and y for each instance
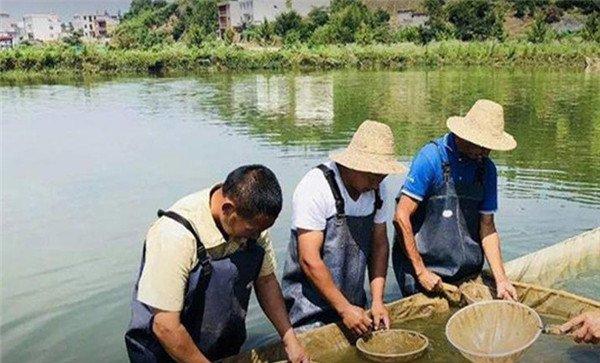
(410, 18)
(42, 27)
(84, 23)
(94, 25)
(256, 11)
(5, 23)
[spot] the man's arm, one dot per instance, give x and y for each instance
(173, 336)
(309, 256)
(270, 298)
(490, 240)
(377, 272)
(405, 209)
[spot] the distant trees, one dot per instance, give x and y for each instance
(152, 23)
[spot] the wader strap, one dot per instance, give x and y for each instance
(335, 189)
(445, 163)
(480, 173)
(200, 249)
(378, 200)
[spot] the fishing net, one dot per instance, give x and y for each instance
(394, 345)
(560, 262)
(563, 261)
(493, 331)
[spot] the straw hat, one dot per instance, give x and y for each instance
(370, 150)
(484, 126)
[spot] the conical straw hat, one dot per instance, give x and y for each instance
(483, 125)
(370, 150)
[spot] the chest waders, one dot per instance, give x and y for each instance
(346, 250)
(215, 304)
(446, 228)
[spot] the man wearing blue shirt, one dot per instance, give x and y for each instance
(445, 215)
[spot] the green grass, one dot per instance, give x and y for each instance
(23, 63)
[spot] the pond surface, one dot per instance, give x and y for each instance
(85, 167)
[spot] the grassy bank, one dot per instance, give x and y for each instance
(176, 59)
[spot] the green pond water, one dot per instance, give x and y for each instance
(86, 166)
(547, 348)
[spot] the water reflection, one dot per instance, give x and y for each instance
(554, 116)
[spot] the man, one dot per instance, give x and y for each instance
(584, 327)
(200, 261)
(445, 215)
(338, 227)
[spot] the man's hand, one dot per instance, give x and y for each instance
(176, 340)
(293, 349)
(381, 317)
(270, 299)
(429, 280)
(506, 290)
(584, 327)
(356, 319)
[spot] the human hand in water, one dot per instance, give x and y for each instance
(293, 349)
(429, 280)
(506, 290)
(584, 327)
(381, 317)
(356, 319)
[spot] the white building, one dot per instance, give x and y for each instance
(42, 27)
(411, 18)
(239, 13)
(95, 25)
(9, 31)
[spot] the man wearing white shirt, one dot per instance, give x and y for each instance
(338, 229)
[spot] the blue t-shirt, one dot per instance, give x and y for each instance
(426, 173)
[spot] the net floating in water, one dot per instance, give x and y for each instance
(393, 345)
(493, 331)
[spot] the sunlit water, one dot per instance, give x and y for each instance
(85, 167)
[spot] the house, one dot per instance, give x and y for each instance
(42, 27)
(411, 18)
(6, 41)
(239, 14)
(402, 12)
(98, 25)
(9, 32)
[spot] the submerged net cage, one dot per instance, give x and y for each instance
(554, 265)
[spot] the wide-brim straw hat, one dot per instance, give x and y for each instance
(483, 125)
(370, 150)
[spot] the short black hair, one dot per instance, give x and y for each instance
(255, 191)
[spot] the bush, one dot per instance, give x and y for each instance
(476, 19)
(323, 35)
(591, 31)
(364, 35)
(229, 35)
(317, 17)
(437, 26)
(407, 34)
(539, 31)
(287, 22)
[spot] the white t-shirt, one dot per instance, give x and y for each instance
(313, 201)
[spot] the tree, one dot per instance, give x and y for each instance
(318, 17)
(539, 31)
(476, 19)
(437, 26)
(591, 31)
(74, 38)
(287, 22)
